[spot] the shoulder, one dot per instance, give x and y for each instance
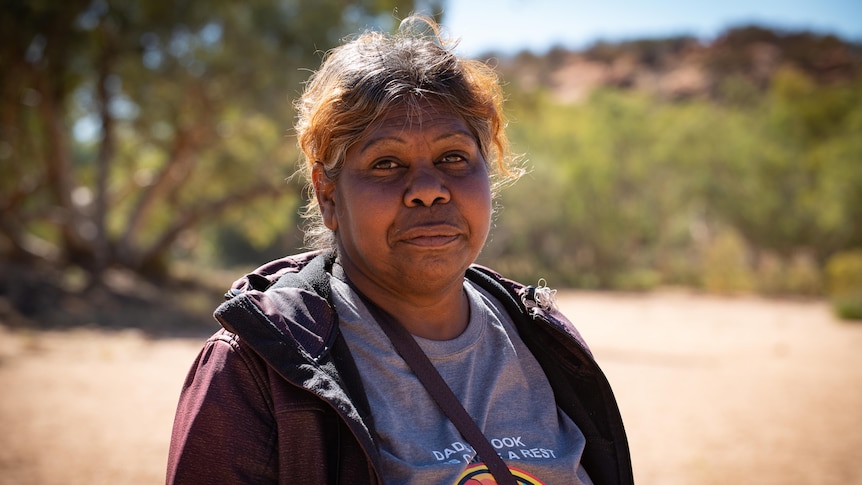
(226, 369)
(493, 281)
(267, 274)
(225, 349)
(529, 305)
(282, 310)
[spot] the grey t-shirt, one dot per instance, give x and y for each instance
(496, 379)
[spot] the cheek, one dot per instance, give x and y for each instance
(362, 210)
(479, 203)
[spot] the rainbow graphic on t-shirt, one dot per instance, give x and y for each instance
(479, 474)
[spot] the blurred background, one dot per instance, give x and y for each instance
(147, 156)
(715, 147)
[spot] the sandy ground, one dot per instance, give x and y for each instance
(713, 390)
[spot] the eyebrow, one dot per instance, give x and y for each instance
(459, 133)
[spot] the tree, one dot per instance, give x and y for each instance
(127, 125)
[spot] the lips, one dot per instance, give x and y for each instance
(430, 235)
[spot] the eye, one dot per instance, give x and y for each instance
(453, 158)
(385, 164)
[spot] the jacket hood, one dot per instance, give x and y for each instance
(284, 304)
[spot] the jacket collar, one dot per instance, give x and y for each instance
(283, 314)
(288, 309)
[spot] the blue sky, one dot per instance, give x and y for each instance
(512, 25)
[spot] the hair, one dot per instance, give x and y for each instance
(361, 80)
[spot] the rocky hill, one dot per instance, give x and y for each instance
(685, 67)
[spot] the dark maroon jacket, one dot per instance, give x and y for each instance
(275, 396)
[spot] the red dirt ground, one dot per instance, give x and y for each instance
(713, 391)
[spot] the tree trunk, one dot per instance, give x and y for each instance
(105, 156)
(59, 177)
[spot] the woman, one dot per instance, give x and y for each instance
(315, 380)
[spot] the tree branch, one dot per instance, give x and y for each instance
(195, 215)
(187, 142)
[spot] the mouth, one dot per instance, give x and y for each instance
(430, 235)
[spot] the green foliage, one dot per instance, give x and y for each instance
(584, 195)
(844, 272)
(612, 193)
(136, 133)
(629, 191)
(133, 126)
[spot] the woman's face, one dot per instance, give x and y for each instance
(411, 208)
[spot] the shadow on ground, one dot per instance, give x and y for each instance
(43, 298)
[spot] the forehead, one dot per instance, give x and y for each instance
(421, 116)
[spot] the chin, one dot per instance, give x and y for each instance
(437, 269)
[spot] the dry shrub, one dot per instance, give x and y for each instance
(844, 273)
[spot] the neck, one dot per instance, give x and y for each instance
(442, 319)
(439, 315)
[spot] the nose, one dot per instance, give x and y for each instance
(426, 188)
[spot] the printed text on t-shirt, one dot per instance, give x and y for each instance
(509, 448)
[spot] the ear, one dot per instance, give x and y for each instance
(324, 191)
